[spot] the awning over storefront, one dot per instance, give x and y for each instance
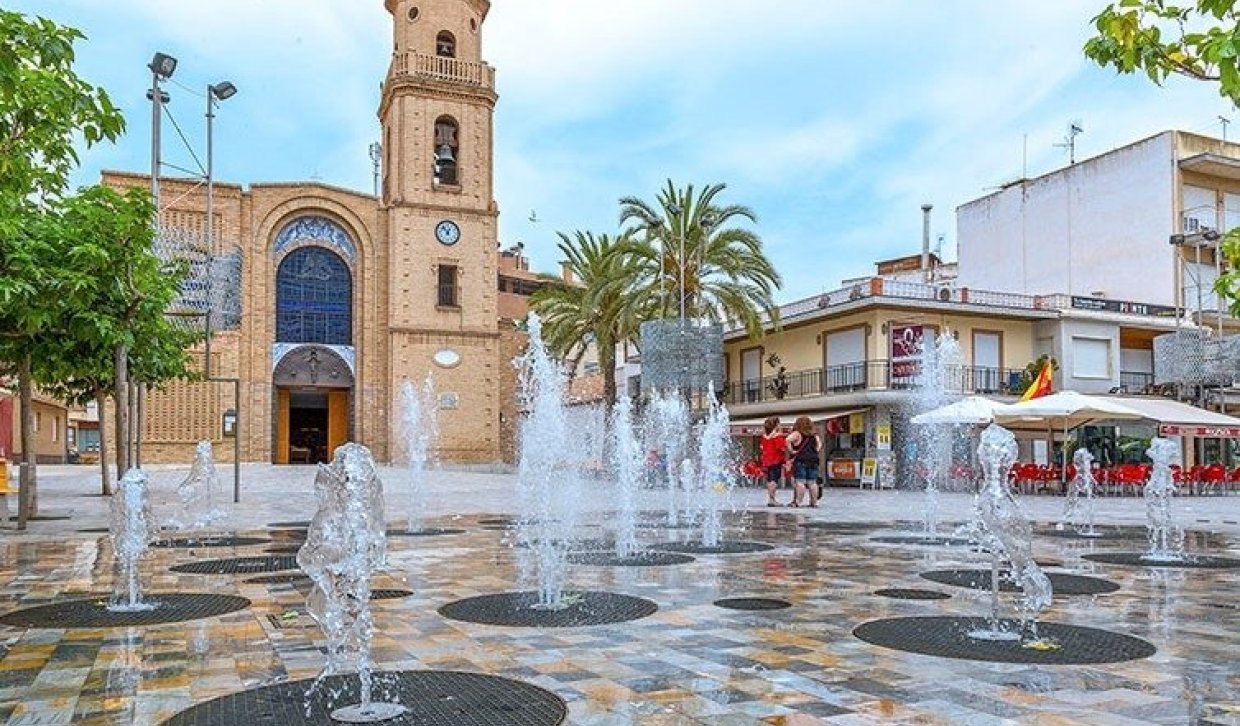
(753, 426)
(1180, 419)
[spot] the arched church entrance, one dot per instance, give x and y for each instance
(313, 375)
(313, 389)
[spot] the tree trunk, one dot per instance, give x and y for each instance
(26, 503)
(120, 359)
(607, 362)
(106, 488)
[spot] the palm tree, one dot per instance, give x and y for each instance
(593, 310)
(688, 260)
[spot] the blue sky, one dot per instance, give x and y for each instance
(834, 120)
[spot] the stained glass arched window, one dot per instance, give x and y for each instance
(314, 298)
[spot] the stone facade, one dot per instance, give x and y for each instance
(422, 276)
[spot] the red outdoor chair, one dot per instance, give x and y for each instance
(1213, 478)
(1233, 479)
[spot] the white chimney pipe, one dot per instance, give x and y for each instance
(925, 241)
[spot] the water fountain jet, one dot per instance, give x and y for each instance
(345, 545)
(132, 528)
(419, 433)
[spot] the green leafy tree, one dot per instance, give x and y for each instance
(117, 330)
(45, 109)
(1200, 40)
(689, 241)
(594, 311)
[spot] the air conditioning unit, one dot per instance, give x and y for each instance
(943, 294)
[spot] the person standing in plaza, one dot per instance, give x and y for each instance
(774, 452)
(804, 447)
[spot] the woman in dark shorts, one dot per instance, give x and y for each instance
(774, 452)
(804, 445)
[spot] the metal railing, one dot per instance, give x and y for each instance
(868, 376)
(1136, 382)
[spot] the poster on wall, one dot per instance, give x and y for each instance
(906, 342)
(882, 435)
(869, 471)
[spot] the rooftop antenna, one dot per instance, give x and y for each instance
(938, 245)
(534, 217)
(1223, 121)
(1075, 129)
(376, 162)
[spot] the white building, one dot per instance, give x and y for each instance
(1103, 227)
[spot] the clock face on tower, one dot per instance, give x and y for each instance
(447, 232)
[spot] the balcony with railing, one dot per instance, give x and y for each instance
(1136, 382)
(879, 375)
(427, 67)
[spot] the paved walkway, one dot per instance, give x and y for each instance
(689, 663)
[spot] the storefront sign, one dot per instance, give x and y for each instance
(882, 434)
(1120, 306)
(856, 423)
(844, 469)
(1201, 432)
(869, 471)
(906, 346)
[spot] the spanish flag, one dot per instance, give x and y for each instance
(1041, 385)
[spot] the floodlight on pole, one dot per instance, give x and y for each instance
(221, 91)
(163, 66)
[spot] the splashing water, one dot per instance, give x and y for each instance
(132, 527)
(345, 544)
(1008, 536)
(1081, 486)
(666, 434)
(1166, 538)
(549, 470)
(716, 481)
(196, 493)
(419, 433)
(627, 462)
(938, 384)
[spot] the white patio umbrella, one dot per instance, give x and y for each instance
(1064, 410)
(970, 410)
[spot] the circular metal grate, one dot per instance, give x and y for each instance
(433, 698)
(638, 559)
(752, 603)
(286, 549)
(242, 565)
(948, 637)
(723, 548)
(170, 607)
(518, 609)
(841, 527)
(1061, 583)
(389, 594)
(95, 530)
(225, 541)
(282, 578)
(664, 525)
(1137, 559)
(498, 521)
(1102, 533)
(927, 540)
(907, 593)
(423, 532)
(297, 524)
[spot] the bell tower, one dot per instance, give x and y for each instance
(436, 113)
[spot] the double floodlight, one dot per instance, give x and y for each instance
(163, 65)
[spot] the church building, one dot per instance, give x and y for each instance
(342, 296)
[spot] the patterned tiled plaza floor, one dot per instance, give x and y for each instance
(690, 663)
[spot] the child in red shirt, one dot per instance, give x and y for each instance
(774, 451)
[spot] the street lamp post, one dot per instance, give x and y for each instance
(162, 67)
(221, 91)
